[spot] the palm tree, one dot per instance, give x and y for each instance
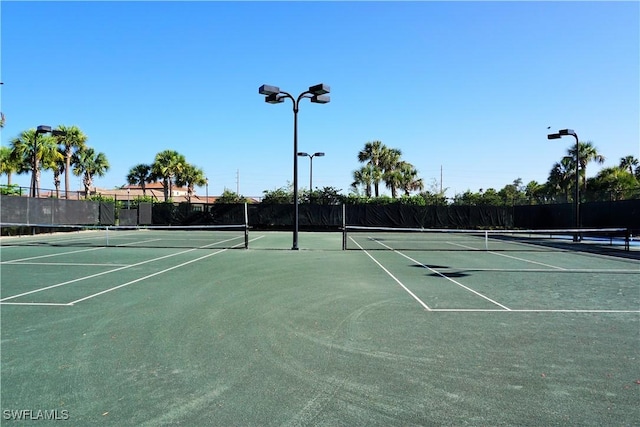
(166, 166)
(190, 176)
(364, 177)
(140, 174)
(533, 190)
(391, 169)
(628, 163)
(87, 163)
(588, 153)
(8, 164)
(72, 139)
(409, 180)
(56, 163)
(561, 176)
(614, 180)
(29, 157)
(373, 154)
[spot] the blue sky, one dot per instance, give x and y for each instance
(468, 88)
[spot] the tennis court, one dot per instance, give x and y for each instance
(214, 334)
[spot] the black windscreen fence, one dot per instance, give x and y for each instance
(128, 217)
(397, 215)
(544, 216)
(622, 213)
(27, 210)
(145, 214)
(185, 214)
(107, 213)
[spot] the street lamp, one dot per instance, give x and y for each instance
(560, 134)
(273, 95)
(35, 192)
(310, 156)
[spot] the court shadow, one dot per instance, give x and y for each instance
(452, 275)
(429, 266)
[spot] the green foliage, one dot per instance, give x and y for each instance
(617, 182)
(229, 197)
(100, 198)
(282, 195)
(135, 202)
(11, 190)
(323, 196)
(412, 200)
(433, 198)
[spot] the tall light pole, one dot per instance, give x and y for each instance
(273, 95)
(310, 156)
(35, 190)
(560, 134)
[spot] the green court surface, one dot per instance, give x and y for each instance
(267, 336)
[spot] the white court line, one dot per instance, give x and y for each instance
(104, 272)
(78, 264)
(37, 303)
(393, 277)
(137, 242)
(154, 274)
(2, 301)
(494, 310)
(448, 278)
(49, 256)
(145, 277)
(508, 256)
(545, 270)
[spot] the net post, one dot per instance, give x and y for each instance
(106, 234)
(246, 226)
(486, 240)
(344, 227)
(627, 239)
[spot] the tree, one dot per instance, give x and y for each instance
(392, 169)
(588, 153)
(55, 163)
(140, 175)
(364, 177)
(8, 164)
(166, 166)
(409, 180)
(282, 195)
(628, 163)
(229, 197)
(190, 176)
(328, 196)
(72, 139)
(562, 177)
(512, 194)
(374, 154)
(533, 191)
(29, 155)
(615, 181)
(467, 198)
(88, 164)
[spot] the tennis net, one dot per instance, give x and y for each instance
(392, 238)
(199, 237)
